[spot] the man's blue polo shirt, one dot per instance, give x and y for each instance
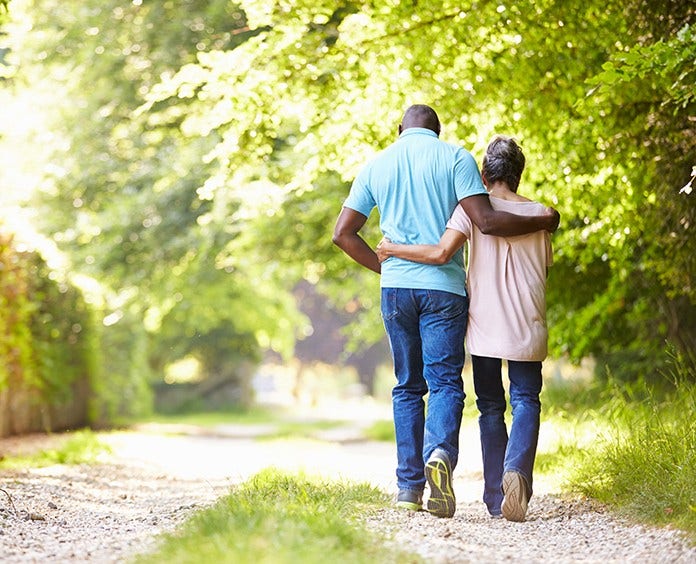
(416, 183)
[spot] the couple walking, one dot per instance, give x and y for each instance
(431, 200)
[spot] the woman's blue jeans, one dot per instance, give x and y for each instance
(426, 330)
(501, 454)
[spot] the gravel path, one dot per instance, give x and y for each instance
(152, 481)
(97, 513)
(556, 531)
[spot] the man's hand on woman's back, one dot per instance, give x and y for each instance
(554, 219)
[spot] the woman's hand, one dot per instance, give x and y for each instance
(383, 249)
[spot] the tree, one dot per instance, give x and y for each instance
(346, 72)
(126, 201)
(239, 154)
(639, 107)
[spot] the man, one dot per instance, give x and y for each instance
(507, 320)
(416, 183)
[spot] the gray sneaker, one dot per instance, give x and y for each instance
(438, 472)
(515, 498)
(408, 499)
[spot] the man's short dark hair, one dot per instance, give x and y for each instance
(503, 162)
(420, 115)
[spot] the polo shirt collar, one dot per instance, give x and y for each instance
(417, 131)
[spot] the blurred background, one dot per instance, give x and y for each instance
(170, 174)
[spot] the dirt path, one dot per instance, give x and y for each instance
(152, 481)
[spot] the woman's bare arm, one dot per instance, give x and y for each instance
(441, 253)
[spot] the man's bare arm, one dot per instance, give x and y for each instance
(441, 253)
(346, 236)
(504, 224)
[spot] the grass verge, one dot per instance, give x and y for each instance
(646, 468)
(81, 447)
(381, 431)
(631, 445)
(279, 518)
(281, 424)
(248, 416)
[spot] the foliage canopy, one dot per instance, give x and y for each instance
(206, 147)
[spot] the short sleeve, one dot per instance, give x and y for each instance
(360, 197)
(460, 222)
(467, 178)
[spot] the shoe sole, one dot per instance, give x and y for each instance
(409, 505)
(441, 502)
(514, 505)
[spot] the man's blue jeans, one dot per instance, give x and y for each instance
(499, 453)
(426, 331)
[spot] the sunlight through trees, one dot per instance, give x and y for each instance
(191, 157)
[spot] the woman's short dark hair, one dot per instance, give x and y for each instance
(503, 162)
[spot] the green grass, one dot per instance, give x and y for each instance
(281, 424)
(299, 429)
(631, 445)
(570, 426)
(646, 468)
(250, 416)
(82, 447)
(277, 518)
(381, 431)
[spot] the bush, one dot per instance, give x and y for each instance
(15, 311)
(122, 385)
(63, 332)
(59, 366)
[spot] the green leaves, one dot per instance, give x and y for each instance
(665, 68)
(209, 147)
